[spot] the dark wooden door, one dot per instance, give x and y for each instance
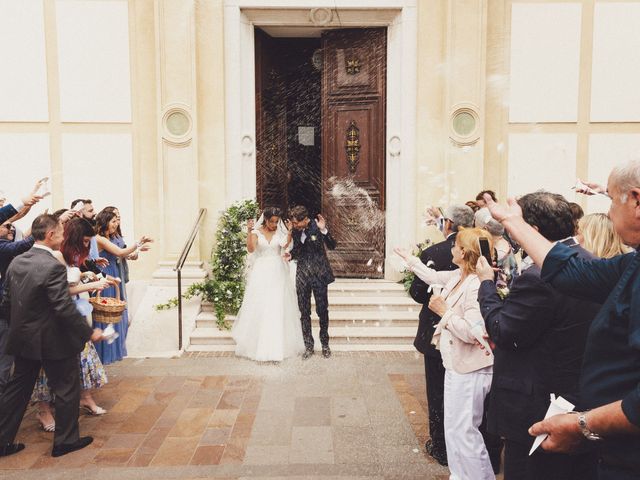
(271, 125)
(353, 148)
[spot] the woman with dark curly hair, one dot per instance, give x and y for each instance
(111, 246)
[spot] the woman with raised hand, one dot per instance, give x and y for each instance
(268, 327)
(468, 369)
(111, 246)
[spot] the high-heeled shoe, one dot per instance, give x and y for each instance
(97, 411)
(49, 427)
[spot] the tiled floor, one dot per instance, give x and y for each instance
(350, 416)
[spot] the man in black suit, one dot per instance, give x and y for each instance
(45, 330)
(540, 336)
(313, 274)
(438, 257)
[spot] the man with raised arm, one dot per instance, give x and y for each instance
(610, 382)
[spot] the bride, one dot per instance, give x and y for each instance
(268, 327)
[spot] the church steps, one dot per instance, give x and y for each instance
(365, 315)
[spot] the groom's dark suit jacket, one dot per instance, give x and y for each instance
(313, 264)
(44, 322)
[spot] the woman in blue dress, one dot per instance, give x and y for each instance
(111, 246)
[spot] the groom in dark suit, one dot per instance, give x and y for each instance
(45, 330)
(313, 274)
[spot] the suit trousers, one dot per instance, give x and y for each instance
(434, 372)
(518, 465)
(320, 293)
(6, 361)
(63, 377)
(464, 396)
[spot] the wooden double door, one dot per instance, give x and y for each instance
(320, 124)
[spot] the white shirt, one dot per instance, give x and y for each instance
(43, 247)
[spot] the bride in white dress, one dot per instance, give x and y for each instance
(268, 327)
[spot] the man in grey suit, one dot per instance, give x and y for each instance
(45, 330)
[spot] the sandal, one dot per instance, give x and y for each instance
(49, 427)
(97, 411)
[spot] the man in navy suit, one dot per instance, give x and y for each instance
(313, 274)
(540, 336)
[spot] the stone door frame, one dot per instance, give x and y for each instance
(400, 17)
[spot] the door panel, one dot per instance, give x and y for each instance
(271, 125)
(353, 148)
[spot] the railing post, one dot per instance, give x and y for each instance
(178, 269)
(180, 309)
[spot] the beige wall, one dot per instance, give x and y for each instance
(465, 56)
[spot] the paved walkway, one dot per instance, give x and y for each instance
(354, 415)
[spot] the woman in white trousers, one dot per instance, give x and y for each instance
(468, 368)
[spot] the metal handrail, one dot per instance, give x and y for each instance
(180, 263)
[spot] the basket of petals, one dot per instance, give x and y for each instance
(108, 309)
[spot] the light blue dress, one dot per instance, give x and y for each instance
(116, 351)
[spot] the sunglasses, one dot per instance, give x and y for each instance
(8, 226)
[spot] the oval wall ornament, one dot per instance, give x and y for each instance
(464, 125)
(177, 125)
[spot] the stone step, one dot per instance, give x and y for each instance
(342, 315)
(334, 322)
(354, 347)
(339, 335)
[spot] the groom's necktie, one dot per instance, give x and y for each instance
(304, 235)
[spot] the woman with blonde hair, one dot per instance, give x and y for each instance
(597, 235)
(468, 369)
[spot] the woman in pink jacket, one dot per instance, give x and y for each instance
(468, 369)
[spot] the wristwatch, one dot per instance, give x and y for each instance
(584, 428)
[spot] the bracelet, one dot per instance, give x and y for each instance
(584, 427)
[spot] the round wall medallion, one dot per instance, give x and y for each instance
(320, 16)
(177, 125)
(465, 125)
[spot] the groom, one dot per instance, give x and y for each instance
(313, 274)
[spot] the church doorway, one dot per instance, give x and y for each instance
(320, 136)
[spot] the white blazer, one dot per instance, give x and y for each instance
(463, 313)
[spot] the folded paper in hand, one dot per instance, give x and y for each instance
(558, 405)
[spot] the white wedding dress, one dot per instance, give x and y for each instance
(268, 327)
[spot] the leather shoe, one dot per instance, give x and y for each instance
(10, 449)
(65, 448)
(326, 352)
(307, 353)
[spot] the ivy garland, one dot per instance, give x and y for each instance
(225, 287)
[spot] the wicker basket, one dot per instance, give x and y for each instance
(108, 309)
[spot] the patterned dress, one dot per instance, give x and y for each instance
(116, 351)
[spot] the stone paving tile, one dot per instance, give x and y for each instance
(175, 451)
(312, 411)
(349, 411)
(311, 445)
(207, 455)
(266, 455)
(215, 436)
(272, 428)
